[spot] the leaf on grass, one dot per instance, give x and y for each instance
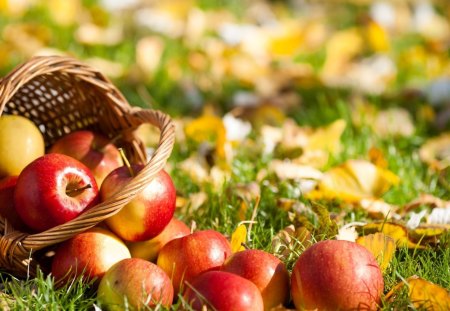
(238, 238)
(355, 180)
(394, 230)
(291, 238)
(208, 128)
(436, 152)
(307, 176)
(377, 157)
(327, 138)
(381, 246)
(377, 208)
(378, 37)
(423, 294)
(393, 122)
(347, 233)
(426, 200)
(427, 234)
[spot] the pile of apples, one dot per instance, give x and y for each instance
(143, 256)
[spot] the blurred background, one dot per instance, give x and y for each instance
(183, 55)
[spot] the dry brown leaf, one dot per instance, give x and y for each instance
(286, 241)
(381, 246)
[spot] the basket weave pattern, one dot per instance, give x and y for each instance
(61, 95)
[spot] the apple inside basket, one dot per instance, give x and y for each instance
(61, 95)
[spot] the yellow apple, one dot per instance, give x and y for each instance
(20, 143)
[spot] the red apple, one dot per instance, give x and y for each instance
(136, 284)
(7, 209)
(148, 213)
(265, 270)
(149, 249)
(186, 257)
(93, 149)
(90, 253)
(224, 291)
(336, 275)
(52, 190)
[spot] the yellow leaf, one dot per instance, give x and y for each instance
(423, 294)
(396, 231)
(355, 180)
(341, 48)
(328, 137)
(427, 234)
(287, 40)
(378, 37)
(377, 157)
(381, 246)
(64, 12)
(428, 296)
(208, 128)
(238, 237)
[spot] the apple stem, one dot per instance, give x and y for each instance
(127, 163)
(70, 191)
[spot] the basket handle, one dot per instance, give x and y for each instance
(111, 206)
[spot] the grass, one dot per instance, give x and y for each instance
(223, 209)
(221, 213)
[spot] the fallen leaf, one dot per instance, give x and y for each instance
(92, 34)
(396, 231)
(328, 137)
(427, 234)
(208, 128)
(428, 200)
(381, 246)
(290, 240)
(377, 157)
(238, 238)
(377, 208)
(347, 233)
(436, 152)
(377, 36)
(423, 294)
(393, 122)
(355, 180)
(149, 51)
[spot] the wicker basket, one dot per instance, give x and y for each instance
(61, 95)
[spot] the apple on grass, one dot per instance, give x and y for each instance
(336, 275)
(93, 149)
(186, 257)
(52, 190)
(90, 253)
(21, 142)
(265, 270)
(224, 291)
(136, 283)
(148, 213)
(149, 249)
